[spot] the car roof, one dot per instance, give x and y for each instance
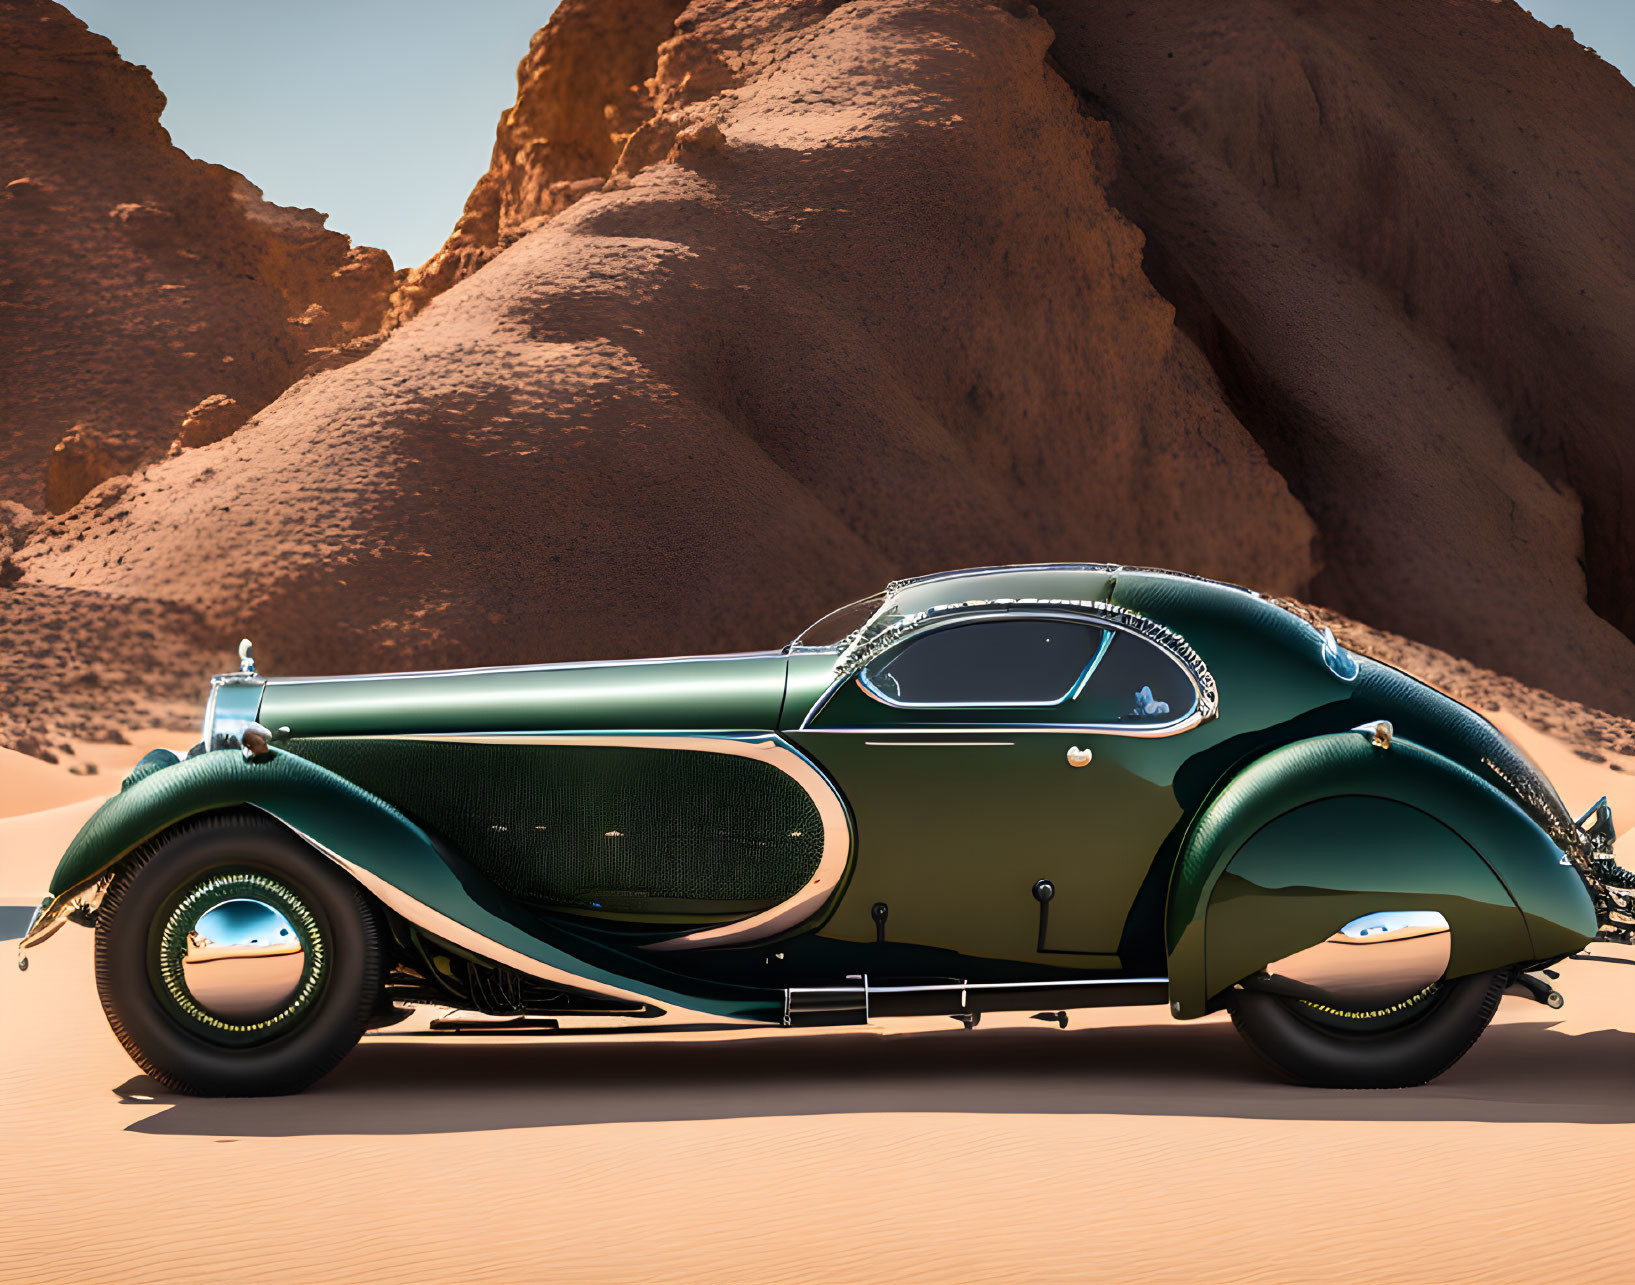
(1054, 581)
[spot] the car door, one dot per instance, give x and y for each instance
(999, 768)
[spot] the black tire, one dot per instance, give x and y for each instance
(183, 1045)
(1411, 1043)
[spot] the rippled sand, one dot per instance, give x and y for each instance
(1128, 1147)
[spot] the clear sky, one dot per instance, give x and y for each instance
(1606, 26)
(381, 112)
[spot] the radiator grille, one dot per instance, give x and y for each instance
(600, 827)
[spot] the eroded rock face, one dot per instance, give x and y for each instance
(581, 92)
(211, 420)
(844, 325)
(17, 523)
(1405, 234)
(82, 461)
(786, 299)
(138, 281)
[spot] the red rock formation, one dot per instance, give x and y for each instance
(581, 92)
(83, 460)
(211, 420)
(854, 329)
(1404, 231)
(861, 296)
(137, 281)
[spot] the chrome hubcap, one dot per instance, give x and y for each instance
(1374, 965)
(243, 960)
(241, 954)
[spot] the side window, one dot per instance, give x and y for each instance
(989, 662)
(1136, 683)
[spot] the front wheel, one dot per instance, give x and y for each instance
(232, 960)
(1406, 1044)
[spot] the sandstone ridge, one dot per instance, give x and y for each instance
(759, 306)
(139, 282)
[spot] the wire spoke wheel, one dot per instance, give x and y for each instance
(1370, 1022)
(240, 958)
(1392, 1046)
(232, 959)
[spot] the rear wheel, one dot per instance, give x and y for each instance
(1404, 1044)
(233, 960)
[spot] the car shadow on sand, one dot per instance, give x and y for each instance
(1519, 1072)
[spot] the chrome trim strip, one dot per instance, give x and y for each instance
(767, 747)
(1112, 568)
(521, 669)
(1007, 568)
(1095, 664)
(928, 743)
(963, 987)
(1106, 729)
(1020, 986)
(862, 993)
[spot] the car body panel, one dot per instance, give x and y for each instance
(949, 821)
(395, 859)
(689, 693)
(1251, 885)
(1182, 848)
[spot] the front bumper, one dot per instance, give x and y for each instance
(77, 905)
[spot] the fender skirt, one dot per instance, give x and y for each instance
(1317, 833)
(391, 856)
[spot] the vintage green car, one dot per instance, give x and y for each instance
(1007, 789)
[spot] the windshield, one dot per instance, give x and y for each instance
(839, 625)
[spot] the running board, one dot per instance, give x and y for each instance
(857, 1000)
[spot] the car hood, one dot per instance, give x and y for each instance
(691, 693)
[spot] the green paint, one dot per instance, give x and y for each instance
(1211, 851)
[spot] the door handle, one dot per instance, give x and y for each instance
(1077, 757)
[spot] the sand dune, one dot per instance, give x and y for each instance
(1126, 1147)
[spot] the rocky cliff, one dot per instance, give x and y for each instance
(138, 282)
(584, 87)
(761, 305)
(1404, 233)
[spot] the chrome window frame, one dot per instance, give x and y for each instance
(796, 646)
(1205, 704)
(1071, 693)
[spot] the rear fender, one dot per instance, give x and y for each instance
(387, 853)
(1326, 830)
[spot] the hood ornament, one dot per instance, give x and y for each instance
(246, 662)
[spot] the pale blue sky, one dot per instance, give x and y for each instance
(382, 112)
(1606, 26)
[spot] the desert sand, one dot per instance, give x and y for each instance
(756, 307)
(1127, 1147)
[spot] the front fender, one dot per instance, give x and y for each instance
(1318, 832)
(384, 850)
